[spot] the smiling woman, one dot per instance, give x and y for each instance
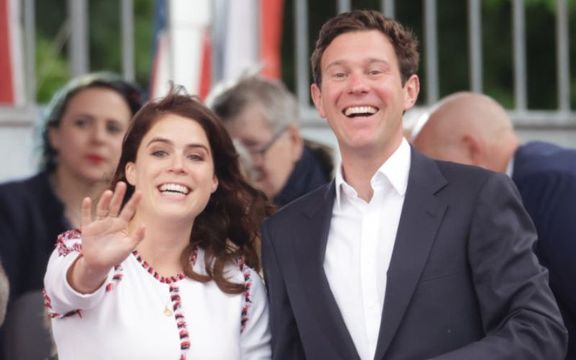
(168, 269)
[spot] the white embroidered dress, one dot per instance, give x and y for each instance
(135, 316)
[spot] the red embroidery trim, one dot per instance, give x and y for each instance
(174, 297)
(154, 273)
(54, 315)
(247, 295)
(64, 248)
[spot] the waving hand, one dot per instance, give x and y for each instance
(106, 240)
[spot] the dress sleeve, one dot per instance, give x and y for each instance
(255, 329)
(60, 299)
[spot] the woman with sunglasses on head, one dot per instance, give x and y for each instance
(167, 269)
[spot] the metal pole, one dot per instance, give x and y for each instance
(431, 36)
(519, 55)
(127, 19)
(78, 46)
(475, 44)
(387, 7)
(344, 6)
(562, 55)
(301, 39)
(30, 50)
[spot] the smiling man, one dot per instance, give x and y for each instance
(401, 256)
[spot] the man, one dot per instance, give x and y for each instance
(474, 129)
(262, 115)
(401, 256)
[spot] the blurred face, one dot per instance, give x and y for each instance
(89, 137)
(361, 94)
(174, 169)
(272, 155)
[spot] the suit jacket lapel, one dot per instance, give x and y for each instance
(311, 250)
(421, 216)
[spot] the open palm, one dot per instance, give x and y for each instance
(106, 240)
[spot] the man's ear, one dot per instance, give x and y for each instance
(474, 150)
(295, 142)
(130, 172)
(317, 99)
(411, 91)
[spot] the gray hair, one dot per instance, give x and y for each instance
(279, 106)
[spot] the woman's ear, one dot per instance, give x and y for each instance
(54, 137)
(130, 172)
(214, 184)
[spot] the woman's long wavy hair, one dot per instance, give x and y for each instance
(228, 228)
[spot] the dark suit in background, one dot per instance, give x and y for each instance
(31, 217)
(463, 282)
(545, 175)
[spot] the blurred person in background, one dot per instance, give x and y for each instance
(263, 117)
(82, 135)
(474, 129)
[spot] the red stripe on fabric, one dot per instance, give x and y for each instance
(270, 37)
(6, 75)
(205, 66)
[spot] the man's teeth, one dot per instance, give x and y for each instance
(360, 110)
(174, 188)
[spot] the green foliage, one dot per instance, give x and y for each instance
(497, 45)
(51, 70)
(105, 42)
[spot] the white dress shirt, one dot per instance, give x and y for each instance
(360, 244)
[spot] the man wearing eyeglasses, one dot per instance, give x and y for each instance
(262, 116)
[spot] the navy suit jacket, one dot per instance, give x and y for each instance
(463, 281)
(545, 175)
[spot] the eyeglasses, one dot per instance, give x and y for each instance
(261, 152)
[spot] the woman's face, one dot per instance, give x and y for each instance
(174, 169)
(89, 137)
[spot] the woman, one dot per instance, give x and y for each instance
(81, 142)
(172, 274)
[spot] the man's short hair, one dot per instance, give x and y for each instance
(403, 40)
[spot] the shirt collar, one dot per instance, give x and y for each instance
(510, 167)
(396, 169)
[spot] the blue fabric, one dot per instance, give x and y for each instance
(545, 175)
(307, 175)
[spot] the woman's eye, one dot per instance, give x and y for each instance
(196, 157)
(113, 128)
(159, 153)
(81, 123)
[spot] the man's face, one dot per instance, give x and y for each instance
(272, 154)
(361, 94)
